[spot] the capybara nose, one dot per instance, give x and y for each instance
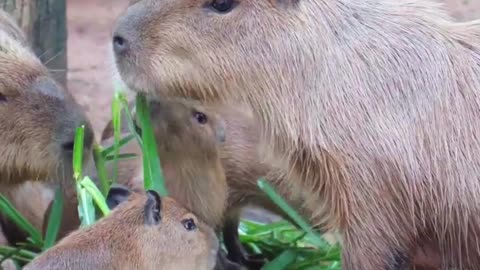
(120, 45)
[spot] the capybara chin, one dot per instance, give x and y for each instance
(143, 231)
(38, 117)
(371, 106)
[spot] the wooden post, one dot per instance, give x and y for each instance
(44, 23)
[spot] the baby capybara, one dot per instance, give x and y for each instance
(143, 232)
(38, 118)
(370, 106)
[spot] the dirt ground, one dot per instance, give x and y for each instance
(89, 62)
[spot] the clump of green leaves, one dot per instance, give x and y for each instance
(286, 246)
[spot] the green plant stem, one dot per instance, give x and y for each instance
(101, 170)
(153, 175)
(54, 220)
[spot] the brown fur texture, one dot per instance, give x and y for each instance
(371, 105)
(237, 154)
(37, 117)
(37, 126)
(142, 233)
(231, 133)
(130, 174)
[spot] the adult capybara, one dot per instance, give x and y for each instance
(182, 126)
(143, 232)
(370, 106)
(37, 117)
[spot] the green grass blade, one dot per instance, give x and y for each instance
(117, 129)
(277, 199)
(282, 261)
(17, 254)
(9, 210)
(153, 175)
(101, 170)
(121, 143)
(130, 121)
(86, 210)
(78, 152)
(97, 196)
(54, 220)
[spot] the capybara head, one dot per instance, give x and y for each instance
(143, 231)
(38, 117)
(187, 125)
(206, 48)
(188, 137)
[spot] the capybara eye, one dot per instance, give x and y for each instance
(3, 98)
(189, 224)
(201, 117)
(222, 6)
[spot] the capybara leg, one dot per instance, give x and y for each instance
(236, 252)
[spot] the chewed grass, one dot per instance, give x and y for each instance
(285, 245)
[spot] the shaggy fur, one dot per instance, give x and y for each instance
(190, 164)
(371, 105)
(126, 239)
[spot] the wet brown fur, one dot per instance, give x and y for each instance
(123, 240)
(371, 106)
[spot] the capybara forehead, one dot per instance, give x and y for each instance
(133, 210)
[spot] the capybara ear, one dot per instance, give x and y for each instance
(116, 195)
(152, 208)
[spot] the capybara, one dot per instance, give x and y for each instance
(189, 176)
(38, 118)
(229, 136)
(143, 231)
(182, 126)
(370, 107)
